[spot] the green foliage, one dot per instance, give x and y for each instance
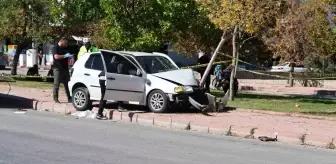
(303, 34)
(147, 25)
(250, 16)
(21, 19)
(75, 17)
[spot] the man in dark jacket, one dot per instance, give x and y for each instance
(61, 68)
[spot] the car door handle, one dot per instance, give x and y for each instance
(86, 74)
(111, 78)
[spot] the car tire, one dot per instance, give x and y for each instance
(157, 101)
(81, 99)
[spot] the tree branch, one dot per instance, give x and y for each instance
(241, 45)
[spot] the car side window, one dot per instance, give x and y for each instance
(117, 64)
(94, 62)
(97, 63)
(88, 63)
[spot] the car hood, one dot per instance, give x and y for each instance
(181, 77)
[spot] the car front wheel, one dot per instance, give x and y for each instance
(157, 101)
(81, 99)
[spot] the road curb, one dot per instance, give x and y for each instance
(137, 118)
(207, 130)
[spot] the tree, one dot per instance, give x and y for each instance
(303, 35)
(148, 25)
(250, 16)
(28, 21)
(24, 21)
(77, 17)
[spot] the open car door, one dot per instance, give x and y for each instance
(124, 80)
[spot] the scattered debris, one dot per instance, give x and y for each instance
(331, 144)
(68, 113)
(130, 115)
(110, 112)
(20, 111)
(85, 114)
(298, 105)
(229, 132)
(251, 135)
(188, 127)
(303, 138)
(247, 88)
(44, 110)
(269, 139)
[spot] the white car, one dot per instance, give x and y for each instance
(286, 68)
(149, 79)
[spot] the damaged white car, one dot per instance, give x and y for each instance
(148, 79)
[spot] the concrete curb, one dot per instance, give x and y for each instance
(206, 130)
(135, 118)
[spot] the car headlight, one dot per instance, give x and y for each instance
(183, 89)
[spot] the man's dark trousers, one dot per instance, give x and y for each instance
(102, 102)
(61, 75)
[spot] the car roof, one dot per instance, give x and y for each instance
(136, 53)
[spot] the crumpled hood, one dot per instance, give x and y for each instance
(183, 76)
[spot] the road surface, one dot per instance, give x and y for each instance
(48, 138)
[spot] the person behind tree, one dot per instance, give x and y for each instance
(94, 48)
(87, 47)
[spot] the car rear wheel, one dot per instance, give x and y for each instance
(157, 101)
(81, 99)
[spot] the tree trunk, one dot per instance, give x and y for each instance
(206, 73)
(291, 79)
(238, 47)
(234, 52)
(16, 58)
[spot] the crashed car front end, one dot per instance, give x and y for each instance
(194, 96)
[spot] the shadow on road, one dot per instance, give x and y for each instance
(11, 101)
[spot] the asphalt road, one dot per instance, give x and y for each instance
(43, 138)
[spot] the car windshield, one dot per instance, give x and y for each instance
(155, 64)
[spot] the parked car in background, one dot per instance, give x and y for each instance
(286, 68)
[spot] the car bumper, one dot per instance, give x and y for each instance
(198, 99)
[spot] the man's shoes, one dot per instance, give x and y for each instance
(101, 117)
(69, 100)
(57, 101)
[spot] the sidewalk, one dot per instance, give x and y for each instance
(319, 130)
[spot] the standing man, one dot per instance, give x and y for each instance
(102, 102)
(61, 68)
(205, 59)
